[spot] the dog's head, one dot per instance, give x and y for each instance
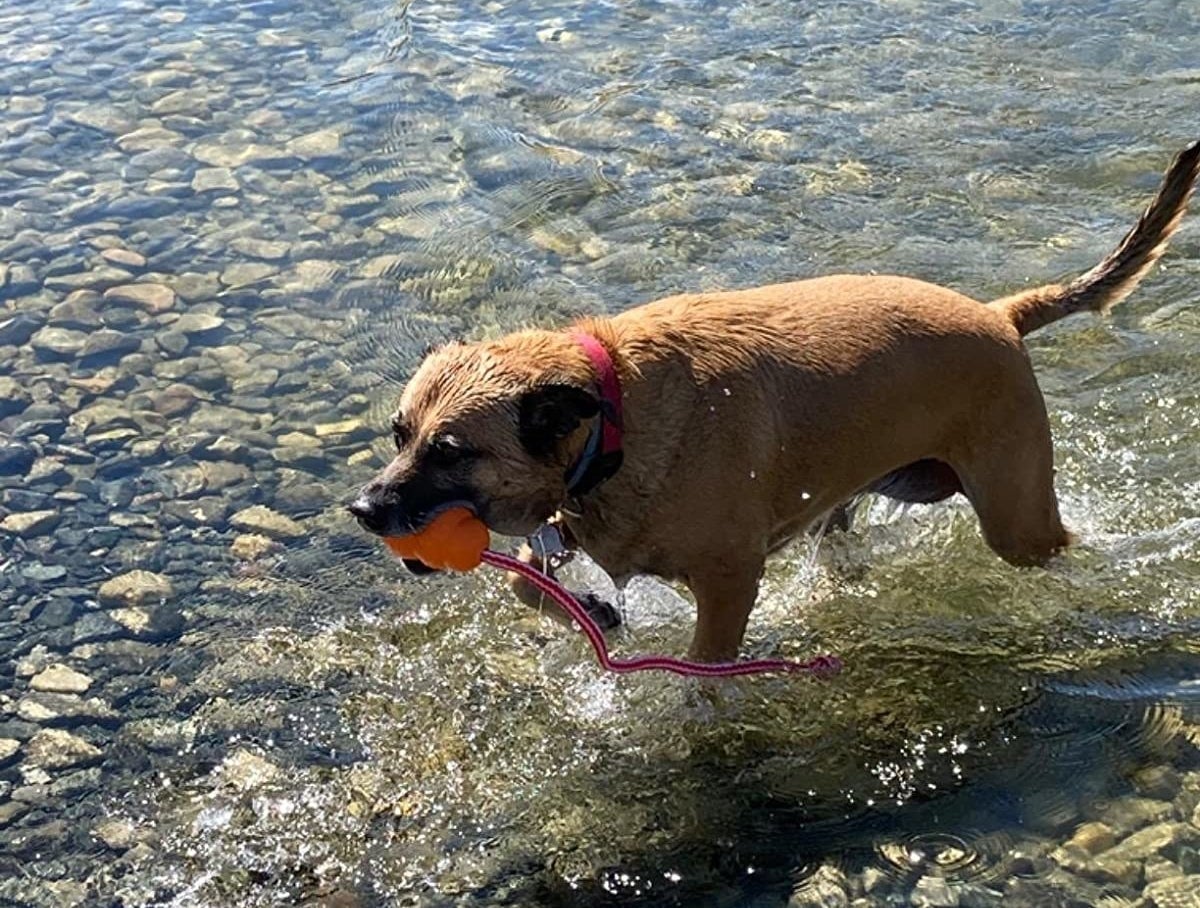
(493, 426)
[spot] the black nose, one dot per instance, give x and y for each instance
(368, 513)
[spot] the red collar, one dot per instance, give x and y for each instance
(602, 455)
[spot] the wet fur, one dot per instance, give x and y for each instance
(751, 414)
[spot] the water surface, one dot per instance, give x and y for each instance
(315, 192)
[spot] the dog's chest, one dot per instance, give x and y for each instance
(619, 549)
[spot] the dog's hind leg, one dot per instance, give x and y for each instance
(725, 595)
(1009, 478)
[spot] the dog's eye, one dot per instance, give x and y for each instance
(447, 451)
(400, 435)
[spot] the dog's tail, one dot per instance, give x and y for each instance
(1121, 270)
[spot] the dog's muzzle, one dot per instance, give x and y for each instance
(370, 515)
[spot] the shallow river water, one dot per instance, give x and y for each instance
(227, 232)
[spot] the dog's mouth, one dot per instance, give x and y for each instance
(419, 568)
(421, 524)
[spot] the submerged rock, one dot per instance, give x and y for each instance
(54, 748)
(136, 588)
(261, 519)
(1177, 892)
(18, 329)
(60, 679)
(64, 709)
(149, 623)
(31, 523)
(252, 546)
(245, 770)
(215, 179)
(153, 298)
(57, 343)
(124, 257)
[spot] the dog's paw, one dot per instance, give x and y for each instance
(604, 613)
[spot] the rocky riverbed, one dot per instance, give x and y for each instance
(227, 232)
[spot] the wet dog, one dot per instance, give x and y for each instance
(692, 436)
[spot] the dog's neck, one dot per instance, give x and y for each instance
(602, 453)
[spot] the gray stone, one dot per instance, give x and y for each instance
(173, 342)
(1177, 892)
(933, 892)
(211, 511)
(13, 396)
(22, 280)
(118, 834)
(1128, 814)
(77, 311)
(220, 475)
(174, 400)
(245, 770)
(143, 206)
(826, 888)
(64, 709)
(261, 519)
(147, 138)
(197, 323)
(150, 623)
(160, 735)
(316, 144)
(94, 627)
(1101, 869)
(153, 298)
(1157, 782)
(246, 274)
(136, 588)
(267, 250)
(48, 470)
(16, 458)
(194, 287)
(8, 749)
(54, 748)
(186, 481)
(223, 447)
(31, 523)
(1160, 869)
(17, 331)
(252, 546)
(103, 118)
(190, 103)
(1150, 841)
(237, 153)
(57, 343)
(125, 258)
(99, 278)
(346, 430)
(44, 573)
(60, 679)
(33, 662)
(215, 179)
(106, 343)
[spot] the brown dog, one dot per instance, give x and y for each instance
(747, 416)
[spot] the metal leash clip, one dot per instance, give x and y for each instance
(547, 543)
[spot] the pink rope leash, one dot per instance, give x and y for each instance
(821, 666)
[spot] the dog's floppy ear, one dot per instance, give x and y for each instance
(550, 413)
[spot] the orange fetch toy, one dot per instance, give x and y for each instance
(455, 540)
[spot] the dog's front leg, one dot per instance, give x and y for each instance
(725, 595)
(603, 613)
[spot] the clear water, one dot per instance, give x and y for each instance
(342, 183)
